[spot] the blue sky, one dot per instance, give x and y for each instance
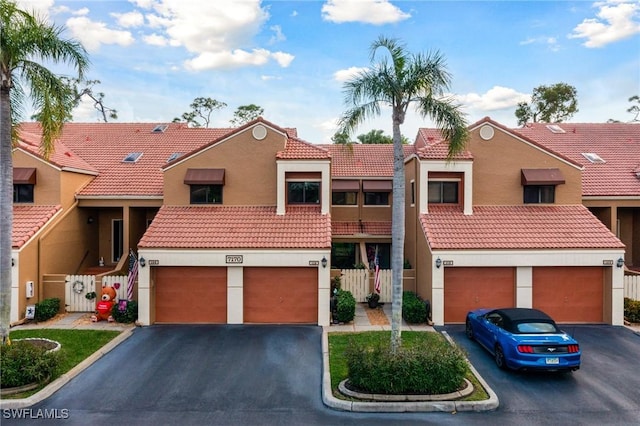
(153, 57)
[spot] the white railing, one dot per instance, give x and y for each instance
(77, 287)
(632, 286)
(360, 283)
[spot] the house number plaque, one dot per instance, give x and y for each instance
(234, 258)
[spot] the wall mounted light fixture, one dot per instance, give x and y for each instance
(438, 263)
(324, 262)
(620, 263)
(143, 262)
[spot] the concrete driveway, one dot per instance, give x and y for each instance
(271, 375)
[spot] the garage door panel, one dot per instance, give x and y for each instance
(569, 294)
(281, 295)
(467, 289)
(191, 294)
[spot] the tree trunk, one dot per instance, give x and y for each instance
(6, 211)
(397, 235)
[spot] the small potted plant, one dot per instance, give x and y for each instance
(373, 299)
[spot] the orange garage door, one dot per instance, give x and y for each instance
(466, 289)
(281, 295)
(569, 294)
(191, 294)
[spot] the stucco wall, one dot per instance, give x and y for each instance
(250, 170)
(497, 165)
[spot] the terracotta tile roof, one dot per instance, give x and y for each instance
(28, 220)
(516, 227)
(101, 147)
(61, 157)
(297, 149)
(364, 160)
(618, 144)
(429, 145)
(368, 228)
(239, 227)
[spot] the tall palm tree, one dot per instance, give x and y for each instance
(398, 80)
(25, 42)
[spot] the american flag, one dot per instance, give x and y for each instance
(376, 262)
(133, 273)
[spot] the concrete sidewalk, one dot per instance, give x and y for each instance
(361, 322)
(74, 320)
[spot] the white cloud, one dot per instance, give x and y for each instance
(615, 21)
(219, 34)
(277, 34)
(93, 34)
(347, 74)
(377, 12)
(130, 19)
(496, 98)
(40, 7)
(283, 59)
(155, 40)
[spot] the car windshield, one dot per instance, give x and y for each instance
(536, 327)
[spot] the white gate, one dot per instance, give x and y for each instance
(632, 286)
(78, 286)
(359, 281)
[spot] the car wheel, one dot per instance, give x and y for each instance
(499, 357)
(468, 329)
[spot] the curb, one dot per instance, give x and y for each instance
(400, 407)
(52, 387)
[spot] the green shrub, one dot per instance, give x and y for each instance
(632, 310)
(23, 363)
(422, 369)
(414, 310)
(129, 315)
(346, 308)
(47, 309)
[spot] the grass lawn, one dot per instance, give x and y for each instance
(76, 346)
(338, 342)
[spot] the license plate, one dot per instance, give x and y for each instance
(552, 361)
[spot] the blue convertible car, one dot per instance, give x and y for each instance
(523, 339)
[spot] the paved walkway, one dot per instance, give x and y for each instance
(74, 320)
(361, 322)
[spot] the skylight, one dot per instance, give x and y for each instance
(593, 157)
(160, 128)
(132, 157)
(555, 128)
(173, 156)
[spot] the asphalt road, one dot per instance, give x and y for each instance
(271, 375)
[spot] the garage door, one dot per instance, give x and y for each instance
(466, 289)
(569, 294)
(281, 295)
(191, 294)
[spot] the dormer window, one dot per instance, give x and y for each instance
(205, 185)
(132, 157)
(303, 192)
(443, 192)
(24, 180)
(539, 185)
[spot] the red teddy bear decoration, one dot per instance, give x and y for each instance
(104, 305)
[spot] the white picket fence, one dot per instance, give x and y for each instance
(360, 283)
(77, 287)
(632, 286)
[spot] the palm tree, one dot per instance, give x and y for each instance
(25, 41)
(397, 81)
